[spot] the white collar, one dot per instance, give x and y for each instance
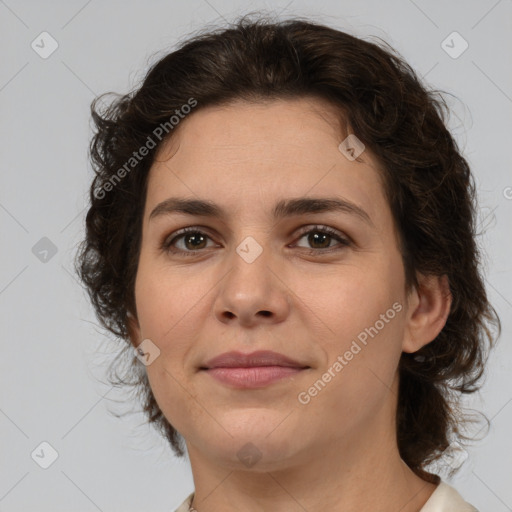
(446, 499)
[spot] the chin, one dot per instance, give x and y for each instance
(259, 456)
(259, 447)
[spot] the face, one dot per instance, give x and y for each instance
(321, 286)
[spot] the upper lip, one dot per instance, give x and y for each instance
(259, 358)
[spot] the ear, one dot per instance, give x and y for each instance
(133, 329)
(428, 309)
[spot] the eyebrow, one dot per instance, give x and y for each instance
(283, 208)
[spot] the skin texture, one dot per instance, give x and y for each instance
(338, 452)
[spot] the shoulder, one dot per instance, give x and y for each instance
(446, 499)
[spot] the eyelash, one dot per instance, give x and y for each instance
(167, 245)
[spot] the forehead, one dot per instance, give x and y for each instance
(252, 154)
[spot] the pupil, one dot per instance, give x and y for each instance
(198, 237)
(314, 238)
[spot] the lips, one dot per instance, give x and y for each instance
(259, 358)
(250, 371)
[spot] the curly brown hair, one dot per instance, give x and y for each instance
(428, 184)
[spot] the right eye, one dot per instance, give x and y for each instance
(193, 241)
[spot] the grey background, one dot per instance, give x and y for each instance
(53, 353)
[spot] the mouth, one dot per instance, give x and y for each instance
(253, 377)
(254, 370)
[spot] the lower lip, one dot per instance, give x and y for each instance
(254, 377)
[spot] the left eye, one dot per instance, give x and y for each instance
(323, 236)
(194, 240)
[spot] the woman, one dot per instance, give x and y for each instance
(282, 230)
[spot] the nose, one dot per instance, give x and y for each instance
(252, 291)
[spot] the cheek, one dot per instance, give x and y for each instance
(361, 361)
(359, 317)
(166, 304)
(350, 299)
(167, 310)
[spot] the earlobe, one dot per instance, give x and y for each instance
(428, 311)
